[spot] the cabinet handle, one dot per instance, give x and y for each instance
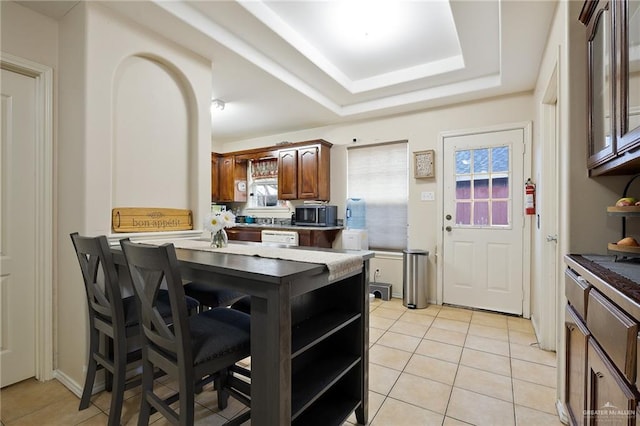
(571, 327)
(599, 375)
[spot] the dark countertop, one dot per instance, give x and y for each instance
(287, 227)
(618, 280)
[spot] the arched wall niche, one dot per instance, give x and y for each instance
(154, 126)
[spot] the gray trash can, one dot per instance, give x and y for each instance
(414, 278)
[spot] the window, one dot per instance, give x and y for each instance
(482, 187)
(263, 185)
(379, 174)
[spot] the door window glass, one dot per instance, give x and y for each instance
(483, 196)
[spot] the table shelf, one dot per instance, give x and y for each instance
(314, 330)
(311, 383)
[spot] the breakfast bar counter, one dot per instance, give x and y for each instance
(309, 332)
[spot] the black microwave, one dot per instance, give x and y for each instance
(317, 215)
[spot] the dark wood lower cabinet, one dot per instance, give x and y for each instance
(601, 338)
(317, 238)
(306, 237)
(245, 234)
(576, 365)
(610, 400)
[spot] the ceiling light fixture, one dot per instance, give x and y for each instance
(218, 104)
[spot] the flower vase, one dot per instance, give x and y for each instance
(219, 239)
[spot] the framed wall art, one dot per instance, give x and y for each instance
(424, 164)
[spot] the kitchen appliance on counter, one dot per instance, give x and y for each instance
(279, 237)
(316, 215)
(355, 239)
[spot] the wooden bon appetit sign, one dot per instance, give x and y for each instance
(150, 219)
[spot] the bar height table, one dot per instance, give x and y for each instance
(309, 335)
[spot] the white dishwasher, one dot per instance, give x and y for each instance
(280, 237)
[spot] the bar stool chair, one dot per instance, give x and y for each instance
(192, 350)
(113, 320)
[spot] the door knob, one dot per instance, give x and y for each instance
(552, 238)
(448, 229)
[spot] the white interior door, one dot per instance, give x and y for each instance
(17, 228)
(483, 220)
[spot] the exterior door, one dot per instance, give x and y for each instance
(483, 220)
(17, 228)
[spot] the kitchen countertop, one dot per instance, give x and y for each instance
(287, 227)
(618, 280)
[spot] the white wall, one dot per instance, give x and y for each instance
(422, 130)
(28, 34)
(134, 128)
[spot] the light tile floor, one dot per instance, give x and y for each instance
(434, 366)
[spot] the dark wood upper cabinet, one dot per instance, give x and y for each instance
(304, 172)
(613, 85)
(598, 17)
(288, 174)
(215, 177)
(629, 88)
(313, 173)
(232, 179)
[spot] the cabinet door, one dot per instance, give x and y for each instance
(628, 20)
(215, 177)
(288, 174)
(308, 178)
(239, 181)
(576, 366)
(601, 86)
(244, 234)
(610, 399)
(226, 189)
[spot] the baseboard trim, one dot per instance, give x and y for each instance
(562, 413)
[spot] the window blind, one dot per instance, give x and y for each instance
(379, 174)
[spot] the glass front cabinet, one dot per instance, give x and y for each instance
(613, 52)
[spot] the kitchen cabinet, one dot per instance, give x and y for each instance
(245, 234)
(611, 400)
(215, 177)
(304, 171)
(306, 237)
(628, 126)
(613, 63)
(598, 17)
(317, 238)
(288, 174)
(601, 324)
(576, 365)
(232, 179)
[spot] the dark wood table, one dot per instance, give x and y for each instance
(309, 335)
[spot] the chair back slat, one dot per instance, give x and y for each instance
(100, 277)
(147, 286)
(150, 267)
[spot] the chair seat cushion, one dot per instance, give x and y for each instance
(219, 332)
(131, 310)
(209, 296)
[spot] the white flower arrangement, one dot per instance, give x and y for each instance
(214, 222)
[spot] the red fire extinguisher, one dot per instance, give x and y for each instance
(529, 197)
